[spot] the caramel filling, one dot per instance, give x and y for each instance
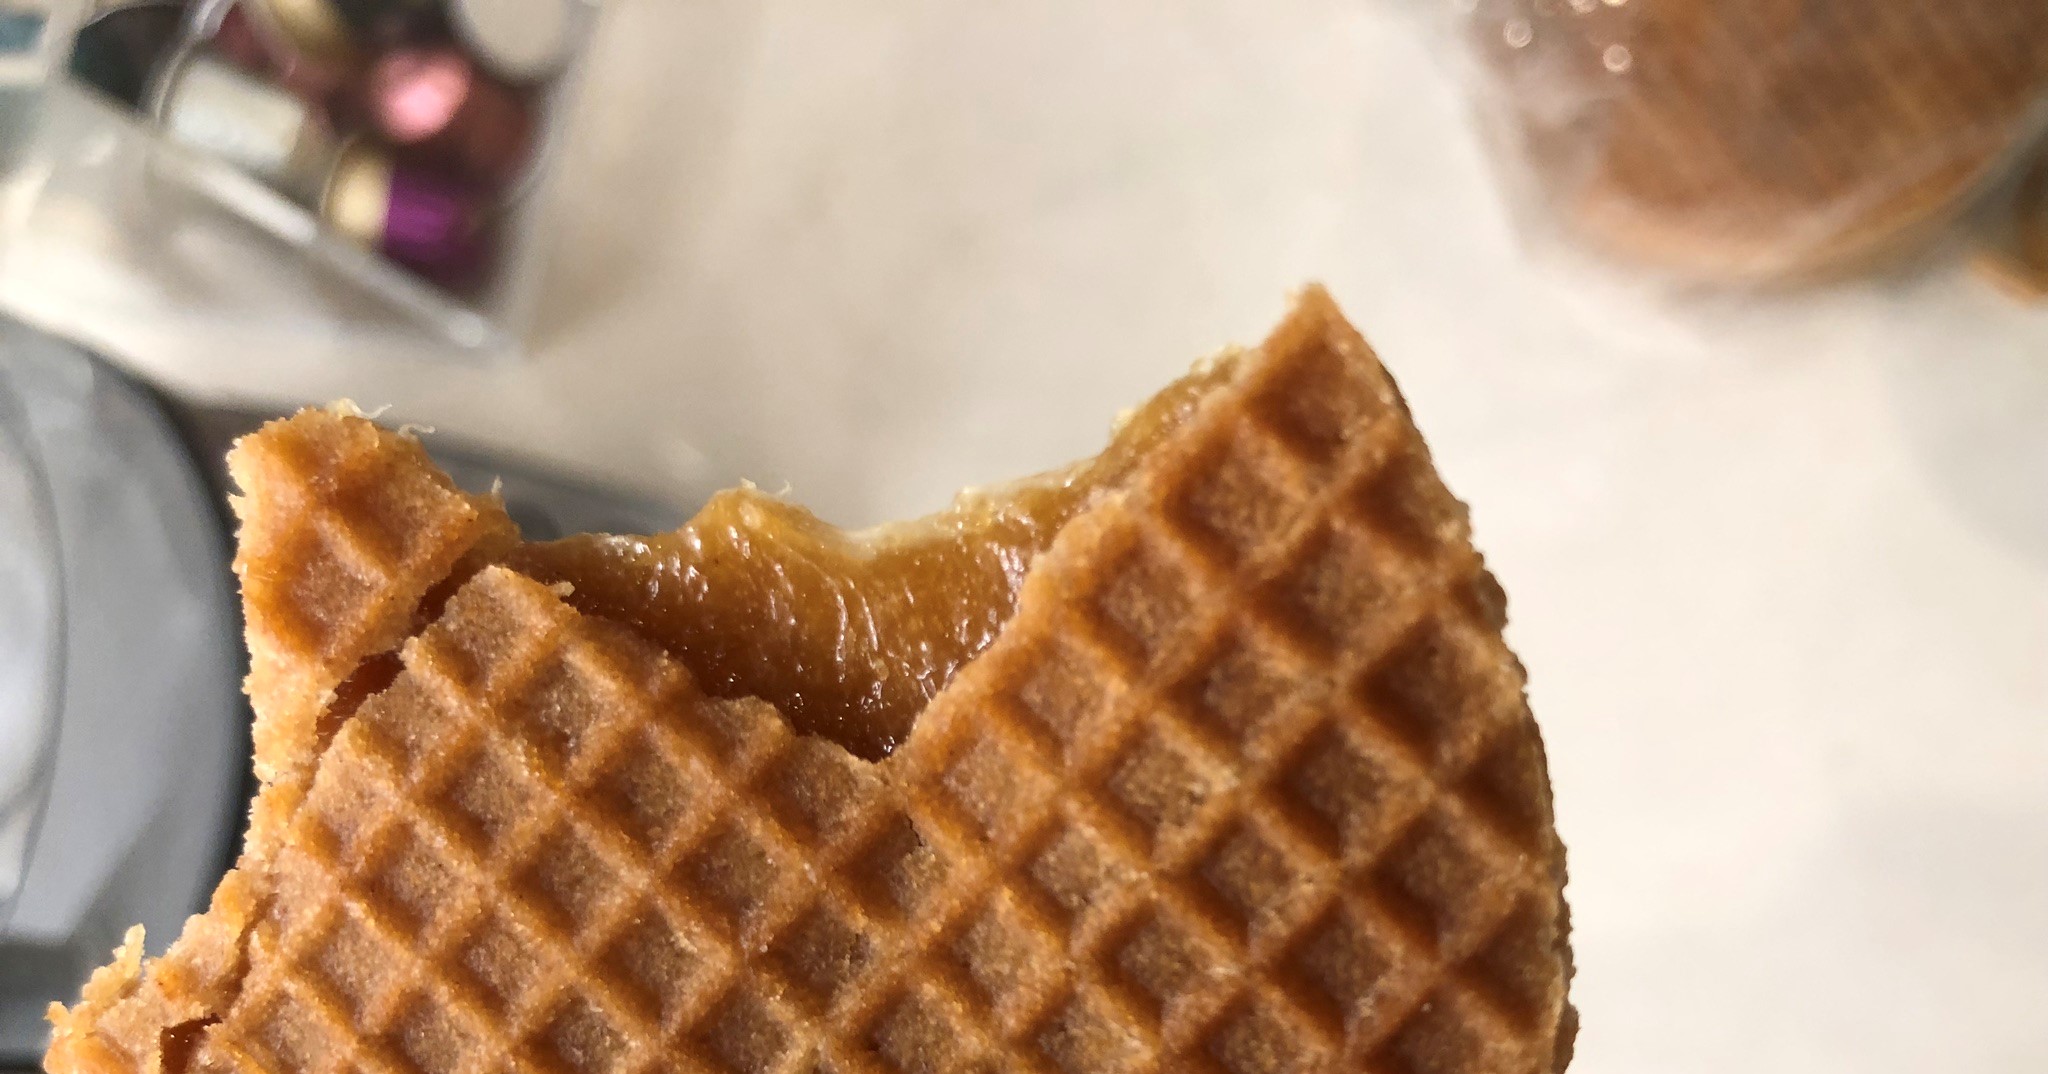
(849, 634)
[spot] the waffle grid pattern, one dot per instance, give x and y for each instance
(1248, 786)
(1280, 906)
(659, 893)
(345, 529)
(1134, 860)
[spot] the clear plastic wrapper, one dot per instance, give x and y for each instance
(140, 217)
(1755, 141)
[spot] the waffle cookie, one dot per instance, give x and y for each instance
(346, 531)
(1757, 140)
(1245, 782)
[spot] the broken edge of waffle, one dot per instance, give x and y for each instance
(1243, 780)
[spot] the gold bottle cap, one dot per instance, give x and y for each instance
(358, 195)
(312, 26)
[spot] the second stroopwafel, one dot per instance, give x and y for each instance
(1759, 140)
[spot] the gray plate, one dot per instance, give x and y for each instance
(139, 762)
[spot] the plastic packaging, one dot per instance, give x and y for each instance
(1755, 141)
(114, 233)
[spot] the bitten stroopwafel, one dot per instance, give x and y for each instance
(1753, 140)
(1245, 782)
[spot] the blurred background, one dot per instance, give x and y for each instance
(1723, 320)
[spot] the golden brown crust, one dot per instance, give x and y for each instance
(129, 1007)
(347, 530)
(344, 529)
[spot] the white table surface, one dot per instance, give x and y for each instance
(1780, 576)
